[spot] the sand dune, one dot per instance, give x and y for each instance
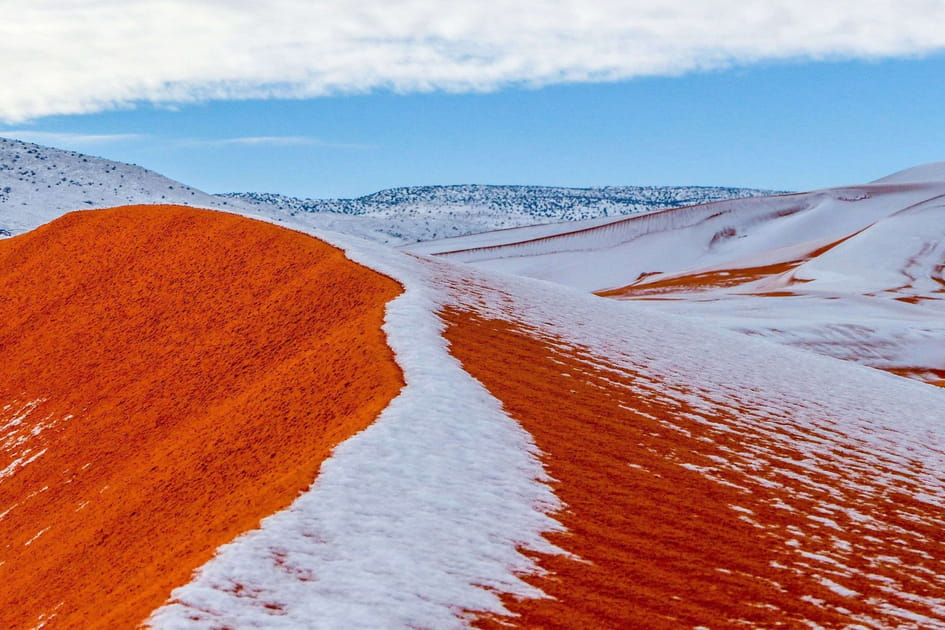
(169, 377)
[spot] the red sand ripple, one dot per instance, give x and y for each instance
(701, 281)
(209, 362)
(728, 278)
(926, 375)
(683, 519)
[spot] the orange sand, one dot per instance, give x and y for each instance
(210, 363)
(661, 544)
(702, 281)
(645, 285)
(927, 375)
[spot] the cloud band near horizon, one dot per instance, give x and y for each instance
(84, 56)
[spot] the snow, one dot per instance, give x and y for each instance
(411, 523)
(876, 298)
(17, 436)
(503, 236)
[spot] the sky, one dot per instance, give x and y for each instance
(340, 99)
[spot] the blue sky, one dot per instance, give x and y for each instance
(792, 124)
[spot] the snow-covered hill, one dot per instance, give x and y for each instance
(39, 184)
(422, 213)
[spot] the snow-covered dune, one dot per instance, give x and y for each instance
(853, 272)
(711, 480)
(932, 172)
(615, 253)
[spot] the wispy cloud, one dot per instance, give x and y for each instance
(69, 140)
(276, 141)
(75, 56)
(88, 141)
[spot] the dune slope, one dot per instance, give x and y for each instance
(170, 376)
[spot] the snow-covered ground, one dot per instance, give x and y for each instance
(932, 172)
(615, 253)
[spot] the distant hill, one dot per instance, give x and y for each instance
(421, 213)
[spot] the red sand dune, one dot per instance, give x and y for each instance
(677, 522)
(182, 373)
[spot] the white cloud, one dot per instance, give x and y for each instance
(74, 56)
